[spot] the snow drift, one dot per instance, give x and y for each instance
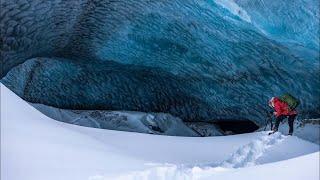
(35, 147)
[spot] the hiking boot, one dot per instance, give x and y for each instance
(272, 132)
(290, 134)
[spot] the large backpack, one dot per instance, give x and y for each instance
(290, 100)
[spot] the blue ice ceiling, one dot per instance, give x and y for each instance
(198, 60)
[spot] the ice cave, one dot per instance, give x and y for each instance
(196, 60)
(104, 87)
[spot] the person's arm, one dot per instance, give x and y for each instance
(279, 108)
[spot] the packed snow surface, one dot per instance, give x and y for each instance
(36, 147)
(307, 129)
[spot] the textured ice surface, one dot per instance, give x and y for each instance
(205, 129)
(234, 9)
(295, 22)
(151, 123)
(200, 60)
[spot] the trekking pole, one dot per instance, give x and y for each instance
(265, 126)
(269, 119)
(271, 123)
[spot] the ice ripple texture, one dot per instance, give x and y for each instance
(198, 60)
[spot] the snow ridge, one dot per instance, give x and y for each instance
(248, 154)
(243, 157)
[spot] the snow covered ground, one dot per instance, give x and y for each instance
(36, 147)
(307, 129)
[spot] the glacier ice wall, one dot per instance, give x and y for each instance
(291, 22)
(198, 60)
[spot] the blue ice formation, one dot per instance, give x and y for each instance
(199, 60)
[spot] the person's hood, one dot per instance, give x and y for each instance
(272, 101)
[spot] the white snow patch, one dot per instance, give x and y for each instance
(35, 147)
(245, 156)
(293, 169)
(248, 154)
(307, 129)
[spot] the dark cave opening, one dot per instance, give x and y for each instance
(236, 126)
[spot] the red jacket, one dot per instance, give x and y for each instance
(282, 108)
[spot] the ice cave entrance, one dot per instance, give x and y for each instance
(236, 126)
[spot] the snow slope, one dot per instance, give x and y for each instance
(289, 169)
(35, 147)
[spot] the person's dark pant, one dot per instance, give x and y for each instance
(290, 122)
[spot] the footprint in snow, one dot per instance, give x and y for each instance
(248, 154)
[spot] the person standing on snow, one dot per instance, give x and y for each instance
(284, 107)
